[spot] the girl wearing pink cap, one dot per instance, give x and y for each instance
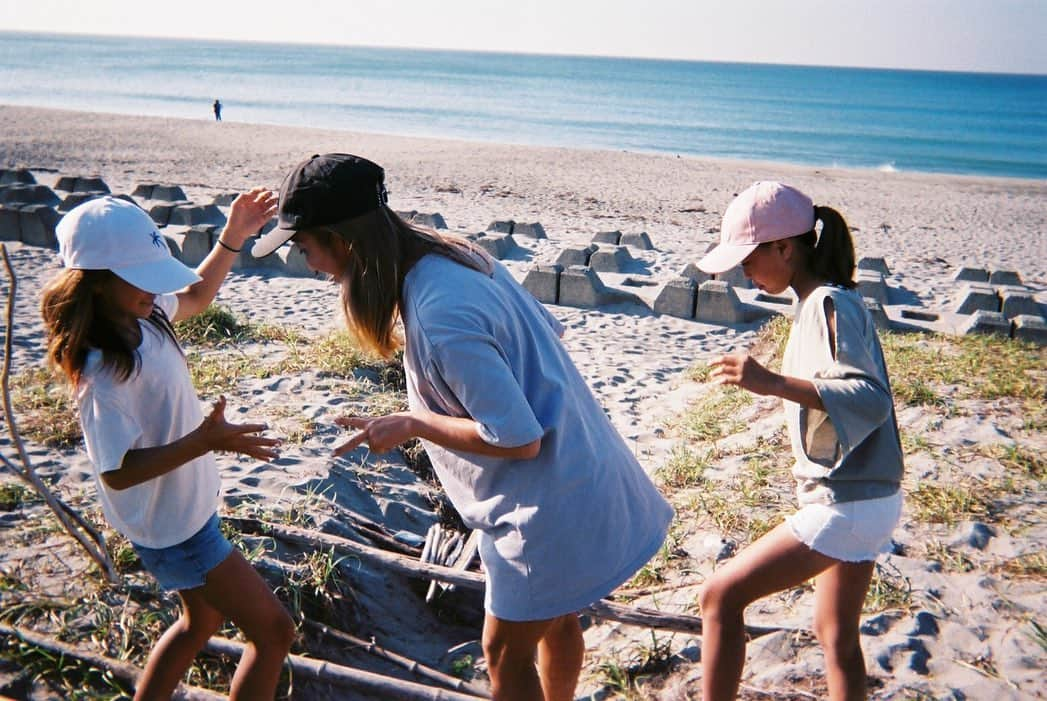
(841, 423)
(108, 317)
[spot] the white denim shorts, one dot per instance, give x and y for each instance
(851, 531)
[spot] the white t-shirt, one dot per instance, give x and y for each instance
(155, 406)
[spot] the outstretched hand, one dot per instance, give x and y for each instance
(250, 211)
(744, 371)
(219, 434)
(381, 434)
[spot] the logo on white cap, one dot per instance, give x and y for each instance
(109, 233)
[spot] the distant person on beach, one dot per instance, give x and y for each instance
(108, 316)
(840, 417)
(217, 110)
(524, 451)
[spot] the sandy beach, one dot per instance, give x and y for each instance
(961, 631)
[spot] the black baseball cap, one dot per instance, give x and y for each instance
(323, 190)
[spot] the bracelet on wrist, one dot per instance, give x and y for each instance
(227, 247)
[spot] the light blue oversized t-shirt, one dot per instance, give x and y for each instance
(562, 530)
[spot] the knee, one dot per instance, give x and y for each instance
(717, 601)
(278, 632)
(838, 639)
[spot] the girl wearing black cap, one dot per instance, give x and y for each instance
(522, 448)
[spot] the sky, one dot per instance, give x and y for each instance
(1004, 36)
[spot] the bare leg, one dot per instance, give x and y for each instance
(236, 590)
(511, 646)
(775, 562)
(560, 654)
(174, 652)
(838, 598)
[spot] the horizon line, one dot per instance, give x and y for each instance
(289, 42)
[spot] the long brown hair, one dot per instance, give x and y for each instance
(76, 321)
(381, 248)
(830, 255)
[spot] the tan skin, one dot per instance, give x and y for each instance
(511, 648)
(778, 561)
(233, 590)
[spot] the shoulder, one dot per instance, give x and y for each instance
(168, 304)
(842, 300)
(438, 287)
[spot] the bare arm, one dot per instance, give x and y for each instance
(214, 433)
(250, 211)
(461, 434)
(746, 372)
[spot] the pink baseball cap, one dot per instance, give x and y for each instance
(766, 211)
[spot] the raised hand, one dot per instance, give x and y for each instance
(381, 434)
(250, 211)
(219, 434)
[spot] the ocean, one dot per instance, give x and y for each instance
(966, 123)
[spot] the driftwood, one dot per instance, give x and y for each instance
(348, 677)
(632, 615)
(375, 532)
(89, 538)
(405, 662)
(123, 671)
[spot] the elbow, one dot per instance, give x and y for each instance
(881, 406)
(529, 451)
(116, 480)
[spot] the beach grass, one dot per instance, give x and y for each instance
(44, 408)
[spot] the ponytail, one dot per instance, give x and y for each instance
(830, 256)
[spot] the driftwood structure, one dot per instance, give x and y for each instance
(409, 567)
(340, 675)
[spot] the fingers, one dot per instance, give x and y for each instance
(252, 428)
(218, 408)
(261, 453)
(352, 444)
(352, 422)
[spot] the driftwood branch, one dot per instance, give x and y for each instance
(89, 538)
(375, 532)
(405, 662)
(123, 671)
(348, 677)
(632, 615)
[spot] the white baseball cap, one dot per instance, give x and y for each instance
(109, 233)
(765, 211)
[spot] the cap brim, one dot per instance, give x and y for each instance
(159, 277)
(723, 258)
(270, 241)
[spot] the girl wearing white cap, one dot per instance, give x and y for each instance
(840, 417)
(108, 317)
(522, 448)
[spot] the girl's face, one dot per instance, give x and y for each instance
(319, 255)
(769, 266)
(124, 302)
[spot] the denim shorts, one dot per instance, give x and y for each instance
(185, 565)
(851, 531)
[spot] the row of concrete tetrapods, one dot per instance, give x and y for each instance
(988, 301)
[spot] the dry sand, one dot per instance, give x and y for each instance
(925, 226)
